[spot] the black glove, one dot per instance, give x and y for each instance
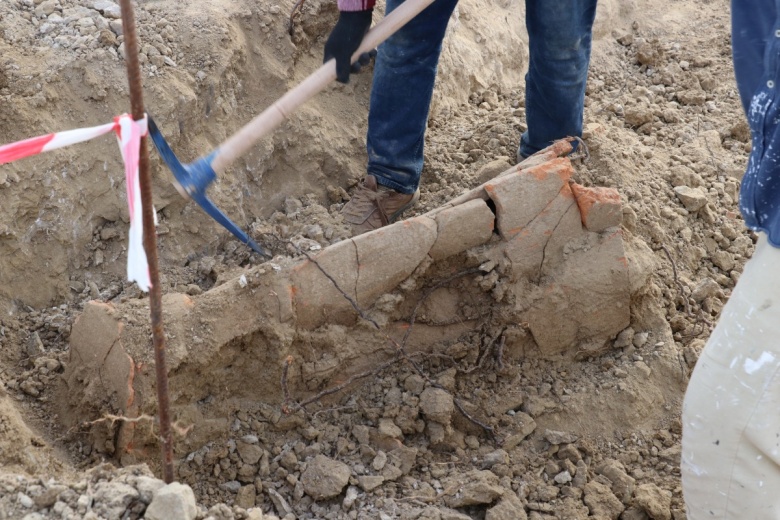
(345, 39)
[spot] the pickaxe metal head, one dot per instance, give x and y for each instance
(192, 181)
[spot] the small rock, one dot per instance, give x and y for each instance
(232, 485)
(34, 345)
(581, 477)
(437, 405)
(724, 260)
(622, 484)
(116, 27)
(634, 513)
(495, 457)
(707, 288)
(175, 500)
(414, 384)
(246, 496)
(647, 54)
(474, 488)
(281, 505)
(389, 429)
(492, 169)
(536, 405)
(656, 502)
(49, 496)
(249, 453)
(692, 198)
(640, 339)
(620, 373)
(24, 500)
(524, 425)
(625, 338)
(379, 461)
(592, 130)
(625, 38)
(46, 8)
(446, 379)
(564, 477)
(446, 513)
(643, 368)
(111, 499)
(289, 460)
(510, 507)
(256, 513)
(147, 487)
(638, 115)
(292, 206)
(349, 498)
(370, 482)
(107, 8)
(325, 478)
(30, 388)
(601, 502)
(695, 97)
(557, 437)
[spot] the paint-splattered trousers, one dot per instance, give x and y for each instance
(731, 412)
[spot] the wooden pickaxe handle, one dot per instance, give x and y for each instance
(240, 142)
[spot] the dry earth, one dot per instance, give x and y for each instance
(594, 435)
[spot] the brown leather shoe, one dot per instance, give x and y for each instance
(373, 206)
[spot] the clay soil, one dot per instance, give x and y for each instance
(590, 434)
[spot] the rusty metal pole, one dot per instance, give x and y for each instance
(150, 239)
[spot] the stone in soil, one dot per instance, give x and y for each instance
(173, 501)
(325, 478)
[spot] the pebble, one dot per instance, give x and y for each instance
(349, 498)
(437, 405)
(24, 500)
(324, 477)
(174, 500)
(625, 338)
(692, 198)
(559, 437)
(281, 505)
(379, 461)
(233, 486)
(640, 339)
(495, 457)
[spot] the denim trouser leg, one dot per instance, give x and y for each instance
(559, 38)
(751, 24)
(404, 76)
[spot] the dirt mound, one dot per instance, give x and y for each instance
(592, 435)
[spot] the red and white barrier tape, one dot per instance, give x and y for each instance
(129, 134)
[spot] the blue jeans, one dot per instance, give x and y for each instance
(752, 28)
(405, 72)
(755, 39)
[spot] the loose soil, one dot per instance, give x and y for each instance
(583, 435)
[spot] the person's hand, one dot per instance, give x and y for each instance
(345, 39)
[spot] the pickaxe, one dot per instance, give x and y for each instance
(194, 179)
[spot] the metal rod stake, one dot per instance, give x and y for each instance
(150, 239)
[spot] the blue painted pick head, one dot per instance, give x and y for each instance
(192, 180)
